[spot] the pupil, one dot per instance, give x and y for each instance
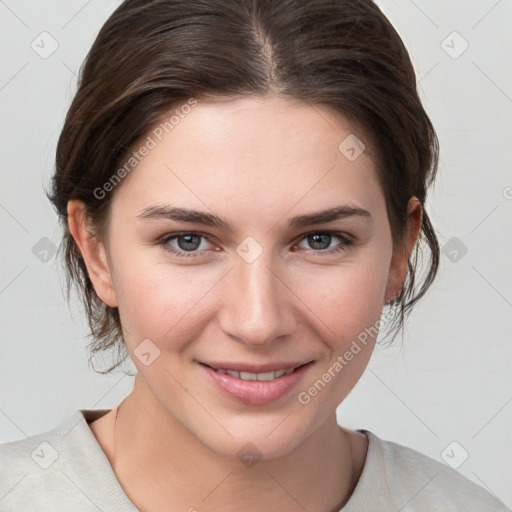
(188, 241)
(316, 240)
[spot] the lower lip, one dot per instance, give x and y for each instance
(256, 392)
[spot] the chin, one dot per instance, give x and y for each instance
(255, 440)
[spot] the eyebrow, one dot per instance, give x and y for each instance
(209, 219)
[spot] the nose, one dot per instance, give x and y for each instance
(258, 306)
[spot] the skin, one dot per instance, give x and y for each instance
(255, 162)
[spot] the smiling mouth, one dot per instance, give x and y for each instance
(256, 384)
(250, 376)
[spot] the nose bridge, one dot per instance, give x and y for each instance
(259, 306)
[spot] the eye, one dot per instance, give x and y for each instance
(320, 241)
(190, 244)
(185, 244)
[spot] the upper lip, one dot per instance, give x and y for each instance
(254, 368)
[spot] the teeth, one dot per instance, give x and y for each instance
(266, 376)
(256, 376)
(248, 376)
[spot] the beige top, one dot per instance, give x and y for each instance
(65, 469)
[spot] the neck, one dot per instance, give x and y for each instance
(157, 461)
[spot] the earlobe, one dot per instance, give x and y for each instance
(93, 252)
(399, 262)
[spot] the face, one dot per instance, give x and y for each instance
(256, 283)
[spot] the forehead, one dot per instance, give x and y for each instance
(267, 151)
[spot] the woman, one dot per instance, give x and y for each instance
(242, 187)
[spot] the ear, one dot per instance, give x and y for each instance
(93, 252)
(399, 261)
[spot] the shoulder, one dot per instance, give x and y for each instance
(403, 478)
(22, 456)
(60, 468)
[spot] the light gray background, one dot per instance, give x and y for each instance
(451, 381)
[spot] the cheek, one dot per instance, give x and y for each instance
(347, 298)
(158, 300)
(350, 305)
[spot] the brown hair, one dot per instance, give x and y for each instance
(152, 55)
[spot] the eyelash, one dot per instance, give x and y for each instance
(346, 243)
